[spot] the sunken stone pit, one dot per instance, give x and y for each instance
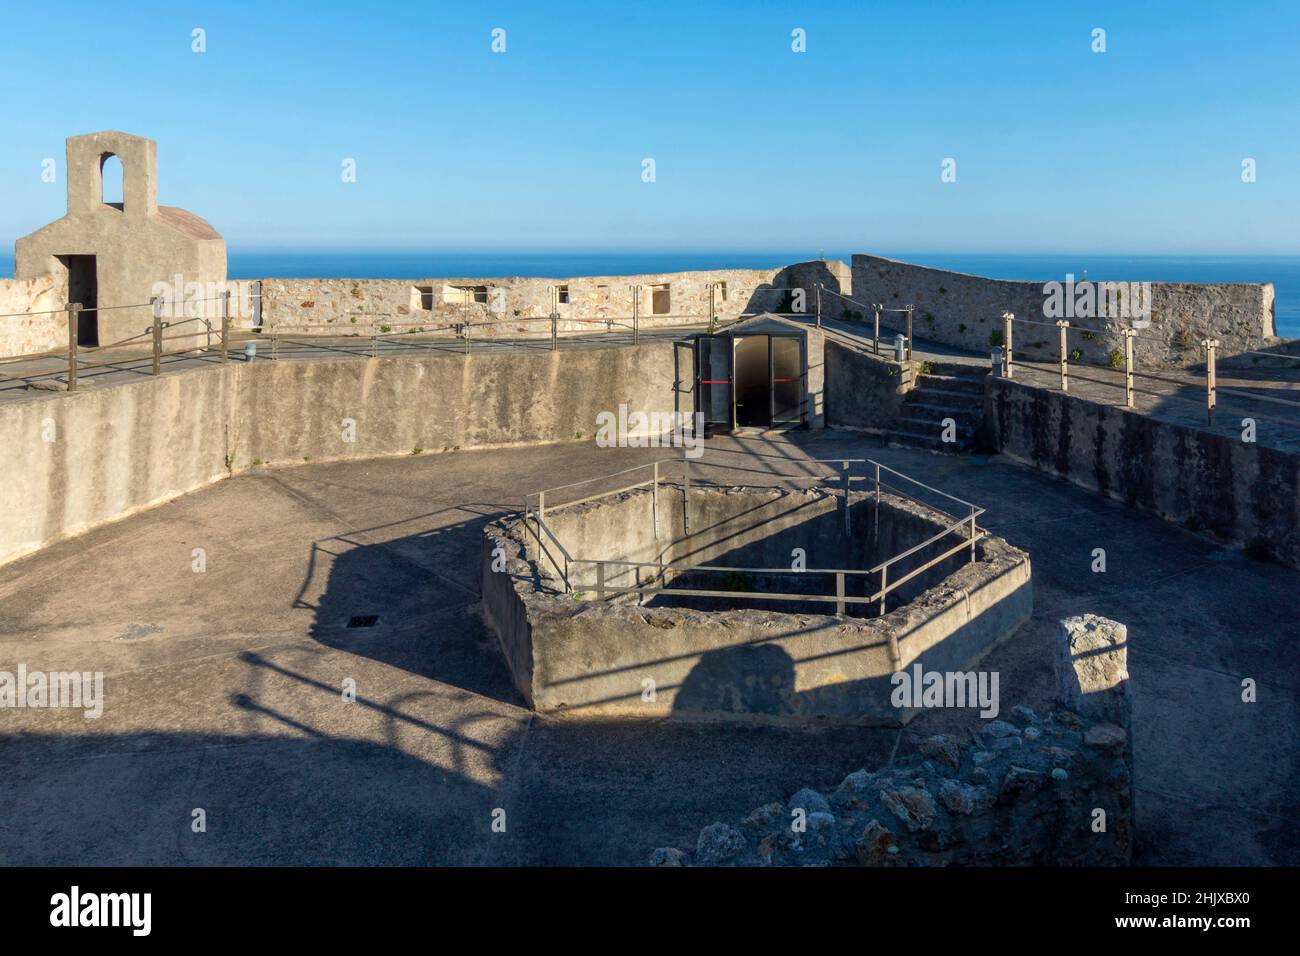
(657, 602)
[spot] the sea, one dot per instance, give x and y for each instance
(248, 263)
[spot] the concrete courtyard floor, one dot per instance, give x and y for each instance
(224, 688)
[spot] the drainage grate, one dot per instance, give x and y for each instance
(363, 620)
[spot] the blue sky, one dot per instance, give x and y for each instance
(1135, 150)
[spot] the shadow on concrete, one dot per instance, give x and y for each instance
(411, 601)
(747, 679)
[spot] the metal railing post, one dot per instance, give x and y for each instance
(1211, 378)
(538, 534)
(1064, 326)
(156, 302)
(654, 499)
(909, 332)
(555, 323)
(686, 492)
(848, 523)
(819, 305)
(636, 309)
(541, 505)
(839, 592)
(600, 580)
(875, 335)
(374, 340)
(1007, 319)
(467, 335)
(876, 529)
(1128, 367)
(972, 532)
(225, 326)
(74, 320)
(884, 577)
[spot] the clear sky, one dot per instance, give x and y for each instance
(1138, 149)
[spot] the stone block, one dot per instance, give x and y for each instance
(1092, 668)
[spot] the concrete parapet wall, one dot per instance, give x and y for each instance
(966, 311)
(1236, 491)
(863, 391)
(75, 461)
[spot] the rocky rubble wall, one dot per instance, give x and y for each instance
(1021, 791)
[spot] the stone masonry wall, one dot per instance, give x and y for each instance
(28, 324)
(523, 305)
(966, 311)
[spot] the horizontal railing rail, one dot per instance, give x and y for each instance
(1124, 362)
(964, 529)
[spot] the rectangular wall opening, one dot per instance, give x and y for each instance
(661, 299)
(83, 287)
(753, 395)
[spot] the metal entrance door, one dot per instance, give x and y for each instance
(787, 379)
(713, 382)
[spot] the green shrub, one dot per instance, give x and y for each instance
(996, 337)
(1116, 358)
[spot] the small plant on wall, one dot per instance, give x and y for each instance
(1116, 358)
(996, 337)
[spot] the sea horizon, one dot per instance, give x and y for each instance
(246, 263)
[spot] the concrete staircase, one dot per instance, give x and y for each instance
(945, 390)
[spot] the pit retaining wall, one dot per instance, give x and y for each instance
(596, 659)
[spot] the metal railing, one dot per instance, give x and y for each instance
(160, 331)
(877, 308)
(548, 548)
(1123, 360)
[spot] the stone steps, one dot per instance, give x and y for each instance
(953, 392)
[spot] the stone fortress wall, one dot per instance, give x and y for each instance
(32, 325)
(523, 305)
(965, 311)
(950, 308)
